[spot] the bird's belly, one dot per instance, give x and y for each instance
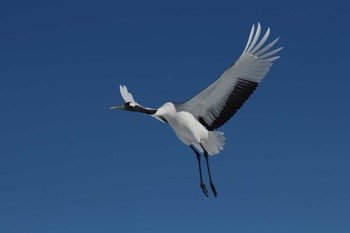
(188, 129)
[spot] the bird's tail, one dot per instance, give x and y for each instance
(214, 143)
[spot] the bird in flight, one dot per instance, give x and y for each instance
(195, 120)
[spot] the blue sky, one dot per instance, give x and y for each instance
(68, 164)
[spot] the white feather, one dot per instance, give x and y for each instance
(127, 96)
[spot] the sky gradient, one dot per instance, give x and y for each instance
(69, 164)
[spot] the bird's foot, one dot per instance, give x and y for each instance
(204, 189)
(213, 189)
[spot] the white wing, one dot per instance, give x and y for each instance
(127, 96)
(216, 104)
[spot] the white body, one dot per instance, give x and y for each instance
(190, 131)
(194, 121)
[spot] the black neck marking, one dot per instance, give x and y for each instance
(144, 110)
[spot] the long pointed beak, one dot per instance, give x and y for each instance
(117, 107)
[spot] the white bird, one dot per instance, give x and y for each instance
(194, 121)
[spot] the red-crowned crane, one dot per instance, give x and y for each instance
(194, 121)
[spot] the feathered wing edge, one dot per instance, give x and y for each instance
(127, 96)
(256, 59)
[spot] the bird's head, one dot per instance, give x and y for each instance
(134, 107)
(128, 106)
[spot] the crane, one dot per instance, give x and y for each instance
(195, 120)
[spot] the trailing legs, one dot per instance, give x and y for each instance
(202, 185)
(208, 167)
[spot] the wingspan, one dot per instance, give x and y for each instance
(216, 104)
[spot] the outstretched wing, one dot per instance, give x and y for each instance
(127, 96)
(216, 104)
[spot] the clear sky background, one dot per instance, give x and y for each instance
(68, 164)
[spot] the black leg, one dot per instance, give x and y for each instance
(211, 181)
(202, 185)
